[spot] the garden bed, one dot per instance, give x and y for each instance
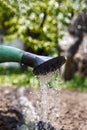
(16, 105)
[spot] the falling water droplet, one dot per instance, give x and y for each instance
(48, 97)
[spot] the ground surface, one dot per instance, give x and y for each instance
(65, 110)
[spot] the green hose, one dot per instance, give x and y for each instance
(41, 64)
(10, 54)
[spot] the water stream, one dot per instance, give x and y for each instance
(49, 101)
(47, 108)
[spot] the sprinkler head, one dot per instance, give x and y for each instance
(49, 65)
(42, 64)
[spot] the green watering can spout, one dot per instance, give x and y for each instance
(40, 64)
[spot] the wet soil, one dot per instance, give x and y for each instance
(65, 110)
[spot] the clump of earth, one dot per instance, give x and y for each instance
(19, 109)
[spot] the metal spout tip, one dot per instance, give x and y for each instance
(49, 65)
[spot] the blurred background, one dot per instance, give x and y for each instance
(51, 28)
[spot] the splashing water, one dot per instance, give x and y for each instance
(49, 100)
(27, 108)
(47, 105)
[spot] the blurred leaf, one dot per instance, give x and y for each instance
(40, 24)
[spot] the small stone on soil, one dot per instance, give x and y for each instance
(44, 126)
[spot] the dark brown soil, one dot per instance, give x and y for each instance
(65, 110)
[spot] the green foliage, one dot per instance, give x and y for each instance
(77, 83)
(13, 77)
(38, 23)
(66, 10)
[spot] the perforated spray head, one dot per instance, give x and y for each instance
(49, 65)
(42, 64)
